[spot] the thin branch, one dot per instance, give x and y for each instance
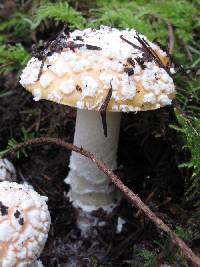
(147, 200)
(130, 195)
(103, 109)
(171, 38)
(171, 34)
(189, 54)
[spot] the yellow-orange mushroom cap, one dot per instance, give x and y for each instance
(93, 60)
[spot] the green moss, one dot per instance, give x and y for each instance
(16, 26)
(12, 58)
(148, 258)
(190, 131)
(149, 18)
(60, 12)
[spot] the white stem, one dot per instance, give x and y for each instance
(90, 189)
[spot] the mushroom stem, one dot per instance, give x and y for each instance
(90, 189)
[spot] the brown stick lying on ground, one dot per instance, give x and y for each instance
(130, 195)
(171, 38)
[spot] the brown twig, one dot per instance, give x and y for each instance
(171, 38)
(147, 200)
(103, 109)
(130, 195)
(189, 54)
(171, 34)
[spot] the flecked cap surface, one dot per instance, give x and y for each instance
(82, 68)
(24, 224)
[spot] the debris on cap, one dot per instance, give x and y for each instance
(7, 171)
(79, 68)
(24, 224)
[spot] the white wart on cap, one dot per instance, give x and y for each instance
(24, 224)
(79, 69)
(7, 171)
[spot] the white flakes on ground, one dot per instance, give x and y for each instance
(67, 87)
(120, 223)
(21, 224)
(37, 94)
(7, 171)
(172, 70)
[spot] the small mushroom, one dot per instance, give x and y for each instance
(24, 224)
(104, 71)
(7, 171)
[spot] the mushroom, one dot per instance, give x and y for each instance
(24, 224)
(7, 171)
(99, 71)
